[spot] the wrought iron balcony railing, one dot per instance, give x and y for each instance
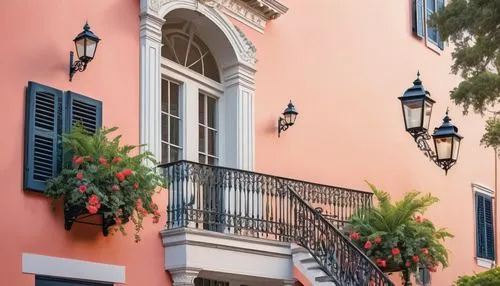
(258, 205)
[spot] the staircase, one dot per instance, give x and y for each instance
(307, 215)
(305, 262)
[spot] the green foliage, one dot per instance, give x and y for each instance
(472, 26)
(395, 235)
(487, 278)
(104, 177)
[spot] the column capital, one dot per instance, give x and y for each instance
(184, 276)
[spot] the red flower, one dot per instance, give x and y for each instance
(79, 176)
(77, 160)
(415, 258)
(116, 160)
(127, 172)
(93, 200)
(103, 161)
(355, 236)
(419, 219)
(82, 189)
(154, 206)
(157, 213)
(92, 209)
(138, 201)
(120, 176)
(425, 251)
(118, 220)
(378, 240)
(136, 186)
(368, 244)
(432, 269)
(408, 263)
(395, 251)
(380, 262)
(115, 188)
(156, 219)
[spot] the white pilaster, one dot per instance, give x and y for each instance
(150, 83)
(239, 117)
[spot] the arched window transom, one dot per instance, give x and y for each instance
(183, 46)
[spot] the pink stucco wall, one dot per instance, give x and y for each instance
(37, 39)
(343, 63)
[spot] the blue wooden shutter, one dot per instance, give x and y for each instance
(418, 18)
(440, 5)
(42, 127)
(484, 227)
(488, 216)
(82, 109)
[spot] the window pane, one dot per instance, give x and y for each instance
(211, 142)
(164, 153)
(211, 111)
(197, 67)
(201, 139)
(174, 130)
(174, 154)
(174, 99)
(164, 127)
(211, 69)
(431, 5)
(212, 161)
(201, 108)
(201, 158)
(164, 95)
(194, 55)
(180, 47)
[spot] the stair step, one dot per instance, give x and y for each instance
(308, 260)
(315, 267)
(324, 279)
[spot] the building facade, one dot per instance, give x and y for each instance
(205, 82)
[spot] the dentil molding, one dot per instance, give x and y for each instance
(253, 13)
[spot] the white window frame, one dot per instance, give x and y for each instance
(206, 128)
(58, 267)
(191, 84)
(180, 117)
(479, 188)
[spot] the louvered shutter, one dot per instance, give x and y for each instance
(84, 110)
(489, 232)
(418, 18)
(42, 126)
(440, 5)
(484, 223)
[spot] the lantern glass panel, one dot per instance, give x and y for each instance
(413, 113)
(289, 118)
(80, 47)
(91, 46)
(427, 114)
(443, 148)
(456, 147)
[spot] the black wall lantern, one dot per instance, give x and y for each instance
(288, 119)
(86, 46)
(417, 110)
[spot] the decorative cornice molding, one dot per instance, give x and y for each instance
(250, 49)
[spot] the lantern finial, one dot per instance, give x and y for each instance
(417, 81)
(86, 27)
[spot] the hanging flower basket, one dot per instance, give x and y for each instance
(104, 179)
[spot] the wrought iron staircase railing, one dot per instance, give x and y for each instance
(253, 204)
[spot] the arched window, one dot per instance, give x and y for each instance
(190, 113)
(183, 46)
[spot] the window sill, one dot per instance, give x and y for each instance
(433, 46)
(485, 263)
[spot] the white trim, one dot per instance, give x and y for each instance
(236, 103)
(72, 268)
(476, 187)
(485, 263)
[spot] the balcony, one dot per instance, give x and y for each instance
(224, 222)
